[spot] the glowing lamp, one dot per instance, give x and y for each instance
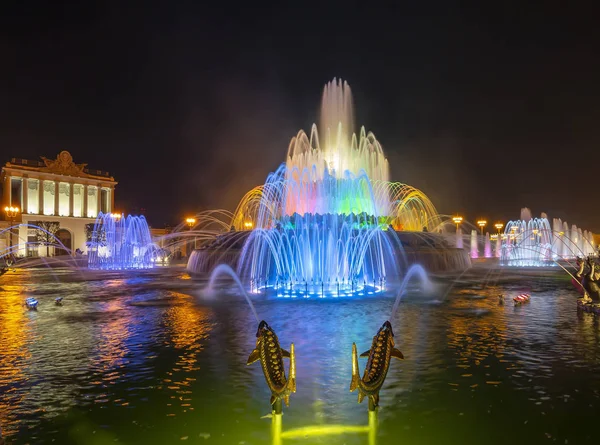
(190, 221)
(482, 223)
(457, 220)
(11, 212)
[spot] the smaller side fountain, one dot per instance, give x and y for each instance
(487, 249)
(459, 238)
(120, 242)
(474, 248)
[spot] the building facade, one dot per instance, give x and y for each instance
(53, 191)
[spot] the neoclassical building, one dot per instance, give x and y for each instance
(54, 190)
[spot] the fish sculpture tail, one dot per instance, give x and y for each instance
(355, 371)
(291, 383)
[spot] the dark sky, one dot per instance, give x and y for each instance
(190, 104)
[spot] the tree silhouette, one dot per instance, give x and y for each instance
(45, 233)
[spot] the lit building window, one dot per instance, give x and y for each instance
(49, 197)
(92, 207)
(33, 196)
(78, 200)
(16, 192)
(63, 199)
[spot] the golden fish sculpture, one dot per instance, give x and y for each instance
(271, 355)
(380, 354)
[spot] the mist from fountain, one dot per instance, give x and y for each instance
(120, 242)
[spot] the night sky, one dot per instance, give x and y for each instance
(190, 104)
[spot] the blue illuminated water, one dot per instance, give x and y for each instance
(121, 242)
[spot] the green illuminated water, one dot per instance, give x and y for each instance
(140, 359)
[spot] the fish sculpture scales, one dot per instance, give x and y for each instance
(271, 355)
(380, 354)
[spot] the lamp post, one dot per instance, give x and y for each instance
(482, 223)
(457, 220)
(11, 214)
(498, 227)
(248, 225)
(191, 222)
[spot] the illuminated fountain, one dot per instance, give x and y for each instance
(474, 247)
(528, 241)
(322, 222)
(532, 242)
(118, 242)
(328, 221)
(487, 249)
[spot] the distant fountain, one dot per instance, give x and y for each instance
(487, 249)
(121, 242)
(474, 248)
(532, 242)
(528, 241)
(459, 238)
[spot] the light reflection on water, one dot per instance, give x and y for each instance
(140, 359)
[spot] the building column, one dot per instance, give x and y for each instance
(25, 191)
(71, 201)
(112, 199)
(98, 199)
(56, 198)
(84, 212)
(8, 190)
(41, 197)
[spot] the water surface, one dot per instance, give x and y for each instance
(144, 359)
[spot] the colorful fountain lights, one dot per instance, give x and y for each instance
(121, 242)
(532, 242)
(320, 222)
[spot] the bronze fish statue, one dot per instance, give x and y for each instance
(382, 349)
(271, 355)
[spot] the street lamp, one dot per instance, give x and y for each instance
(482, 223)
(191, 222)
(248, 225)
(11, 214)
(498, 227)
(457, 220)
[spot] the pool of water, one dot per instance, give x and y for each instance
(146, 358)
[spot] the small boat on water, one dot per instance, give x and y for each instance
(521, 299)
(31, 304)
(592, 308)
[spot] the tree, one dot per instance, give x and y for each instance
(95, 234)
(45, 233)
